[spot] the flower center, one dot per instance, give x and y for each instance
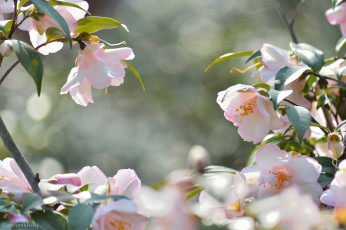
(279, 178)
(120, 224)
(246, 109)
(235, 206)
(3, 178)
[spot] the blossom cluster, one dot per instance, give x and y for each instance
(294, 179)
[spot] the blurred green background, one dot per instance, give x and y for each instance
(153, 131)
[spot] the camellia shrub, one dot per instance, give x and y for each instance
(295, 178)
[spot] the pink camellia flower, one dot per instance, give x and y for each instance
(17, 218)
(287, 211)
(96, 67)
(6, 6)
(37, 26)
(12, 178)
(252, 112)
(92, 175)
(168, 209)
(273, 59)
(233, 205)
(337, 16)
(335, 145)
(276, 169)
(121, 214)
(335, 196)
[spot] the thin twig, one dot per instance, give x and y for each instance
(312, 118)
(289, 23)
(329, 78)
(18, 157)
(14, 21)
(329, 122)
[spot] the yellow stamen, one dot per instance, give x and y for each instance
(245, 70)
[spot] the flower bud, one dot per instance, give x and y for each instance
(6, 48)
(335, 145)
(198, 158)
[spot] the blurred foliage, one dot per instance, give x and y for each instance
(152, 131)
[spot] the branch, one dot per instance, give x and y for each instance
(290, 23)
(329, 78)
(19, 157)
(14, 21)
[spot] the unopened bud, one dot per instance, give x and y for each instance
(335, 145)
(198, 158)
(6, 48)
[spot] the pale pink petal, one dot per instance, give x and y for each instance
(92, 175)
(304, 169)
(68, 178)
(314, 190)
(109, 56)
(97, 74)
(338, 15)
(274, 58)
(207, 202)
(116, 70)
(17, 218)
(7, 6)
(116, 81)
(327, 198)
(127, 183)
(251, 128)
(74, 79)
(52, 47)
(81, 94)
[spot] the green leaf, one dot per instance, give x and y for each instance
(308, 54)
(262, 85)
(219, 169)
(327, 172)
(5, 26)
(288, 74)
(228, 56)
(30, 60)
(21, 3)
(135, 72)
(46, 8)
(342, 124)
(47, 220)
(80, 217)
(31, 200)
(53, 33)
(60, 3)
(300, 119)
(254, 55)
(278, 96)
(95, 198)
(93, 24)
(308, 83)
(341, 43)
(320, 126)
(193, 193)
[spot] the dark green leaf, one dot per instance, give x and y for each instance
(31, 200)
(46, 8)
(254, 55)
(277, 96)
(135, 72)
(308, 83)
(49, 220)
(60, 3)
(194, 193)
(219, 169)
(300, 119)
(228, 56)
(93, 24)
(328, 170)
(342, 124)
(30, 60)
(341, 43)
(80, 217)
(288, 74)
(308, 54)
